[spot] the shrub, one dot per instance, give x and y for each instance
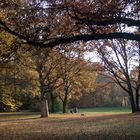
(7, 101)
(57, 105)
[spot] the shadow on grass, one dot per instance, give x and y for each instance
(21, 116)
(18, 113)
(88, 119)
(16, 116)
(22, 119)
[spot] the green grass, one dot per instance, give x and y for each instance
(106, 109)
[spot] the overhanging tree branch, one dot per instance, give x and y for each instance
(71, 39)
(88, 37)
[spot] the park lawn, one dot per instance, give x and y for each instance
(105, 109)
(85, 126)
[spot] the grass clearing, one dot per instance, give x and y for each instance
(91, 126)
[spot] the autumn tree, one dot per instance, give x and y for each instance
(86, 85)
(120, 58)
(43, 65)
(68, 70)
(108, 92)
(37, 67)
(50, 74)
(72, 73)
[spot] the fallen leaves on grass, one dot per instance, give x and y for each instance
(100, 126)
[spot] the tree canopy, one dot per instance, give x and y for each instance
(48, 23)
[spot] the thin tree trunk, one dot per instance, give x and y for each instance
(64, 106)
(65, 100)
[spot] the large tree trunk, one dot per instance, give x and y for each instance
(44, 108)
(131, 96)
(138, 82)
(44, 102)
(132, 103)
(137, 101)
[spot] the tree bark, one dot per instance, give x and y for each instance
(138, 85)
(131, 97)
(44, 108)
(132, 103)
(64, 107)
(44, 102)
(137, 101)
(65, 100)
(130, 93)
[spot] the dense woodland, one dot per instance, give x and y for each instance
(43, 44)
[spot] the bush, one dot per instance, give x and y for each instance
(7, 101)
(57, 105)
(9, 104)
